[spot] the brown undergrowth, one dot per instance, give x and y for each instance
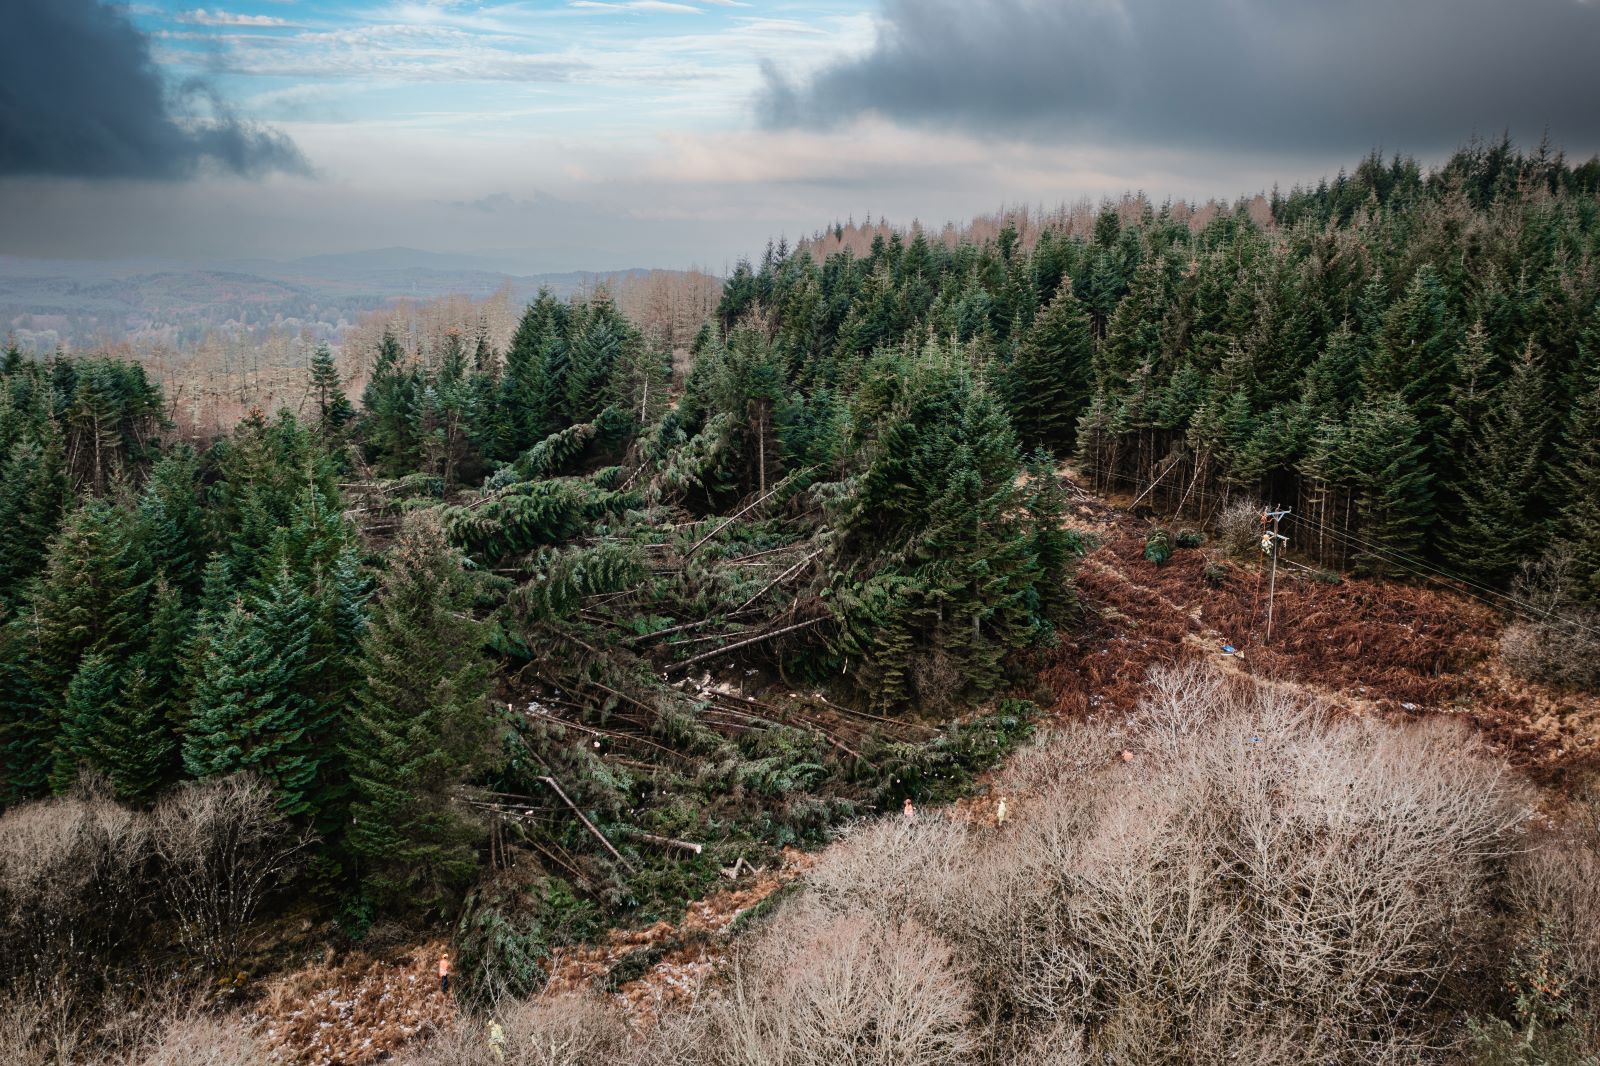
(1365, 646)
(356, 1010)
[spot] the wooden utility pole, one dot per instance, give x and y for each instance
(1271, 542)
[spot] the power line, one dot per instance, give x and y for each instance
(1270, 543)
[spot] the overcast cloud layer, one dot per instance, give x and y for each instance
(602, 134)
(80, 97)
(1414, 75)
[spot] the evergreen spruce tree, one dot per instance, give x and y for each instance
(599, 346)
(390, 402)
(419, 728)
(90, 704)
(1415, 360)
(170, 522)
(1579, 475)
(525, 395)
(276, 479)
(139, 744)
(1473, 393)
(1054, 547)
(1050, 378)
(1504, 478)
(1394, 488)
(91, 599)
(27, 728)
(33, 496)
(333, 406)
(253, 708)
(941, 499)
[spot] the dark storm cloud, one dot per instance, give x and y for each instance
(1248, 74)
(80, 97)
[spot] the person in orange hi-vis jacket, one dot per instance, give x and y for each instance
(444, 973)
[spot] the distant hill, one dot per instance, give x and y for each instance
(149, 303)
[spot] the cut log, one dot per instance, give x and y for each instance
(665, 842)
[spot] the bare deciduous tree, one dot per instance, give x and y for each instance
(223, 848)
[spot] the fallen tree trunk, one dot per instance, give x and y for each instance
(586, 823)
(703, 656)
(665, 842)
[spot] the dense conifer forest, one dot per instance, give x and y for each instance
(527, 643)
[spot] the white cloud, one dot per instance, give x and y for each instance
(201, 17)
(397, 52)
(637, 5)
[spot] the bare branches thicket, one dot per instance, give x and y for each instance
(1559, 643)
(224, 848)
(71, 883)
(195, 1039)
(821, 988)
(1260, 876)
(564, 1031)
(1239, 528)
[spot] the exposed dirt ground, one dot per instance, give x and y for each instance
(1366, 647)
(679, 957)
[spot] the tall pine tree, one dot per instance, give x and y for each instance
(253, 704)
(420, 726)
(1050, 377)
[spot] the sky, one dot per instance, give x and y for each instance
(602, 134)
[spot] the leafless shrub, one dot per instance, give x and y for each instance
(1560, 643)
(1555, 901)
(38, 1026)
(1239, 528)
(1562, 652)
(1058, 1045)
(1261, 875)
(888, 865)
(570, 1031)
(70, 885)
(465, 1044)
(197, 1039)
(561, 1031)
(820, 988)
(223, 848)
